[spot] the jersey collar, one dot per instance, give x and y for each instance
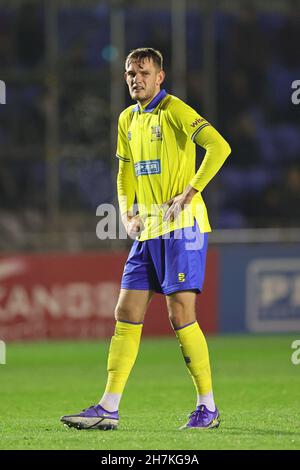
(153, 103)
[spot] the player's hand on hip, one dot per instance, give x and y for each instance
(134, 226)
(173, 207)
(177, 203)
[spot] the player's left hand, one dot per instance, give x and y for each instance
(173, 208)
(176, 204)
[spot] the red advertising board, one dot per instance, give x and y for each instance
(49, 296)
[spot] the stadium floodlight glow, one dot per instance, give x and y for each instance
(2, 92)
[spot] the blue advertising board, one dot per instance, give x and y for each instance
(259, 288)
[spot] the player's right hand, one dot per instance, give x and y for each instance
(134, 226)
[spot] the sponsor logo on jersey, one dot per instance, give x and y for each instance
(197, 121)
(147, 167)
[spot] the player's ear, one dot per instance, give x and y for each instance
(125, 76)
(160, 77)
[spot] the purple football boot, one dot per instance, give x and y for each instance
(202, 418)
(94, 417)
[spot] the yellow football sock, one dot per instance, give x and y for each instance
(123, 350)
(195, 352)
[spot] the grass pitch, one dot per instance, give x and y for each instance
(256, 387)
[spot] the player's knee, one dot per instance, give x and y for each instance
(180, 317)
(121, 312)
(127, 313)
(175, 316)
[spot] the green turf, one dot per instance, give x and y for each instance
(256, 386)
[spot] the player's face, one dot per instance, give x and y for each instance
(143, 79)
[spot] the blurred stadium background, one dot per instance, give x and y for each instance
(62, 63)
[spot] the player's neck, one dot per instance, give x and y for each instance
(145, 103)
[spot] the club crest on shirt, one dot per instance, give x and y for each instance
(155, 133)
(129, 135)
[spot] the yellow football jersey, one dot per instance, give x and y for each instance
(156, 151)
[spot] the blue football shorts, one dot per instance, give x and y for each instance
(168, 263)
